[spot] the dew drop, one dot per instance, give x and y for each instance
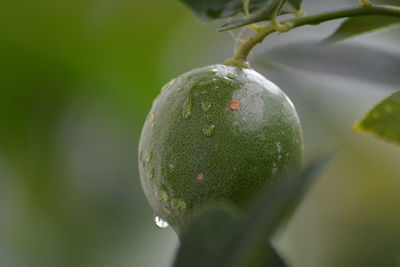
(205, 83)
(165, 87)
(150, 117)
(206, 106)
(187, 109)
(160, 222)
(274, 168)
(162, 195)
(208, 130)
(148, 156)
(226, 81)
(179, 204)
(151, 174)
(279, 147)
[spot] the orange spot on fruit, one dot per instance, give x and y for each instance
(200, 177)
(234, 105)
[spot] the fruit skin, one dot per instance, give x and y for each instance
(217, 134)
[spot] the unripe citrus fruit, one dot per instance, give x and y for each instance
(216, 134)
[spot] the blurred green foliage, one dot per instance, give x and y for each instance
(76, 81)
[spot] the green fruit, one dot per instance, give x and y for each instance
(217, 134)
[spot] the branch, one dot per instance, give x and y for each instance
(244, 50)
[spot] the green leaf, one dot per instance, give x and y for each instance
(373, 64)
(215, 238)
(263, 14)
(208, 10)
(383, 121)
(248, 248)
(359, 25)
(203, 240)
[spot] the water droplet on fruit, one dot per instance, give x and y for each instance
(187, 108)
(179, 204)
(162, 195)
(278, 147)
(208, 130)
(205, 83)
(151, 174)
(274, 168)
(149, 156)
(150, 117)
(160, 222)
(168, 85)
(226, 81)
(206, 106)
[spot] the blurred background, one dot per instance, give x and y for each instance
(77, 79)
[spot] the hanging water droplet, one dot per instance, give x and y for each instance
(187, 108)
(208, 130)
(150, 117)
(160, 222)
(149, 156)
(206, 106)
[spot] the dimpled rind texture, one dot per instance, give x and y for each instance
(216, 134)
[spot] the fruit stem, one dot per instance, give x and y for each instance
(246, 47)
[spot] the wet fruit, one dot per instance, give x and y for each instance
(216, 134)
